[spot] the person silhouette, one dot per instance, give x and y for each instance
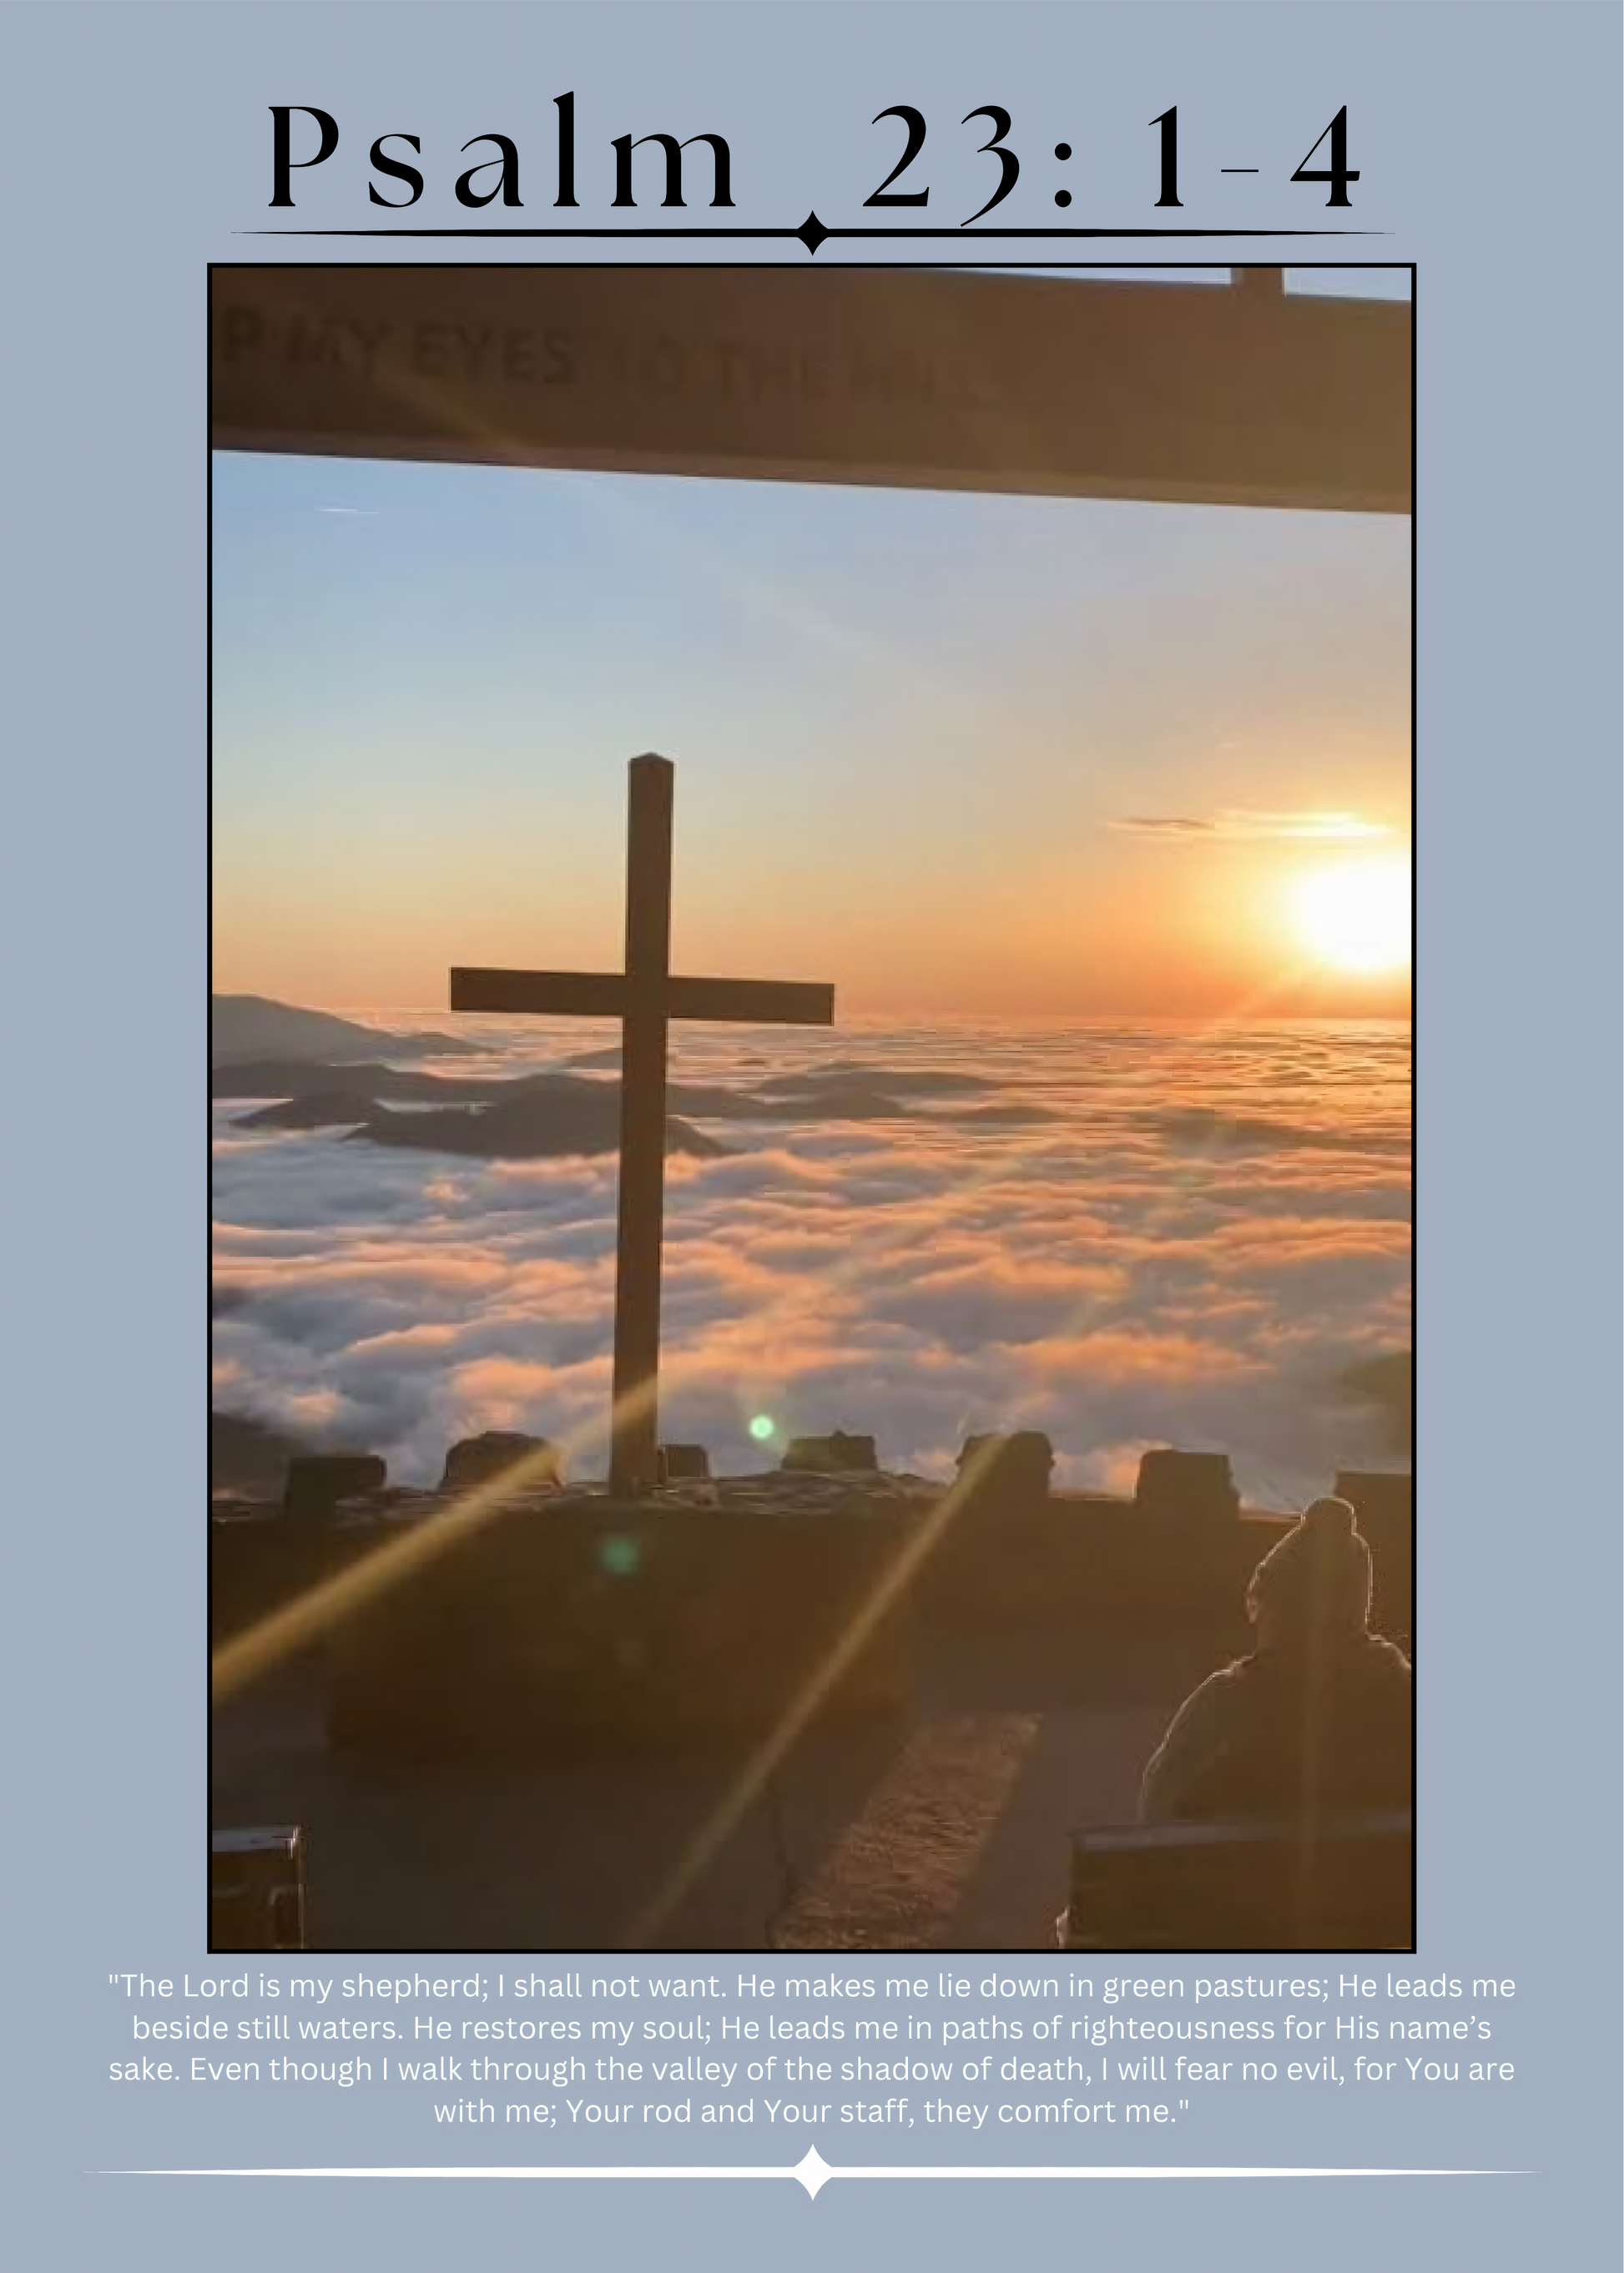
(1316, 1722)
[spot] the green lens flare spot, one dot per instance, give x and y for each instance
(762, 1426)
(618, 1556)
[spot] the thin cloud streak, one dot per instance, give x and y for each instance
(1238, 826)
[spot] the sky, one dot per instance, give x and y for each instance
(961, 755)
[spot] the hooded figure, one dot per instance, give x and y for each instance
(1317, 1721)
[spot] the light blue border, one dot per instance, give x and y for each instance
(1488, 140)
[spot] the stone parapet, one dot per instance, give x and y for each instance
(647, 1620)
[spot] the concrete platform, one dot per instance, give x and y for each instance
(946, 1827)
(561, 1737)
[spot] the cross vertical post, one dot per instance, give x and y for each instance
(643, 1126)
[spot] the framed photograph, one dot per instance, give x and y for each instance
(811, 1088)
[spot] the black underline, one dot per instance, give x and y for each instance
(964, 235)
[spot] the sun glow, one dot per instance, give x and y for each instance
(1356, 917)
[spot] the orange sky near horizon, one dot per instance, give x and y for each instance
(972, 755)
(1188, 932)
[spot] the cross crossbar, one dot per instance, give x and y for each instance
(602, 994)
(644, 997)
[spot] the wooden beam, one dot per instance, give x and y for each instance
(602, 994)
(926, 379)
(641, 1236)
(753, 1002)
(566, 994)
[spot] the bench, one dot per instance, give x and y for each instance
(1199, 1887)
(256, 1890)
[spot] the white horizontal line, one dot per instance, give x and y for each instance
(833, 2171)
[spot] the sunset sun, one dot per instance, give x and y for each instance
(1356, 917)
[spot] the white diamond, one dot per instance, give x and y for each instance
(813, 2171)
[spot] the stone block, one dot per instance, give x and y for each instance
(1016, 1467)
(1187, 1487)
(483, 1460)
(1243, 1885)
(682, 1464)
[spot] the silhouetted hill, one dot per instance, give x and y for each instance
(308, 1080)
(311, 1077)
(554, 1117)
(318, 1108)
(544, 1115)
(844, 1100)
(319, 1094)
(253, 1025)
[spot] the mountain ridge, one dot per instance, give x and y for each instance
(258, 1026)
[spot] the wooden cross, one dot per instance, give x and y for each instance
(645, 998)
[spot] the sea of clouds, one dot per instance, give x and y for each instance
(1210, 1229)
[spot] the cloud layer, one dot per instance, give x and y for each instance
(1201, 1237)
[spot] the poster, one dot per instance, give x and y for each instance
(1486, 146)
